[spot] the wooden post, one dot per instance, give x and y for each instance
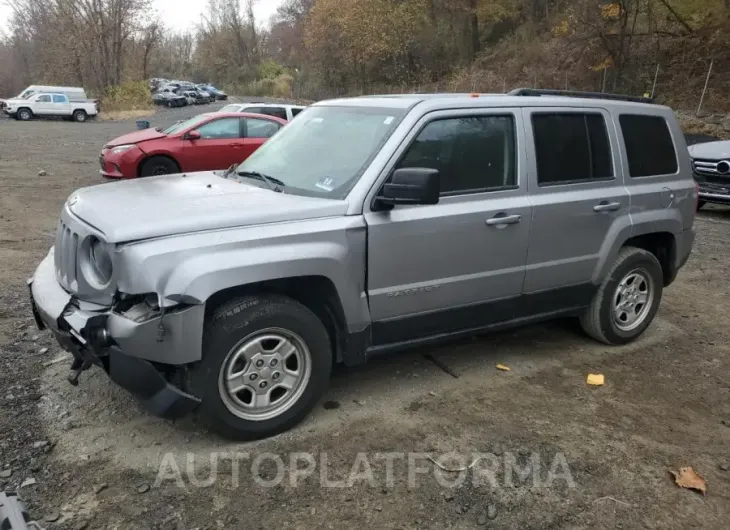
(704, 91)
(656, 76)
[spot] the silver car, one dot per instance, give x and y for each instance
(363, 227)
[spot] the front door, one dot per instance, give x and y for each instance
(579, 200)
(43, 105)
(459, 264)
(220, 145)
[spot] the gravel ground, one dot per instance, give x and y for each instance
(90, 458)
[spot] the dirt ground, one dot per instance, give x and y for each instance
(90, 457)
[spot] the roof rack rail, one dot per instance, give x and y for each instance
(578, 94)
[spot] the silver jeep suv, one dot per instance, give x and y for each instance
(365, 226)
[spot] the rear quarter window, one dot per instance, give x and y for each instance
(649, 147)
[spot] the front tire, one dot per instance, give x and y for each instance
(628, 299)
(266, 362)
(24, 114)
(158, 165)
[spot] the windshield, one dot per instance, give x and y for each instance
(27, 94)
(324, 151)
(181, 126)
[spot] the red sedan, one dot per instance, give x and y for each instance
(203, 143)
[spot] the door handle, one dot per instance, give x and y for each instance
(500, 219)
(607, 207)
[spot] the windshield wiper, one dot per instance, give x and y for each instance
(273, 183)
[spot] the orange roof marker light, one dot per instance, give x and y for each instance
(474, 95)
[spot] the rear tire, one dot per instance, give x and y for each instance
(158, 165)
(283, 355)
(80, 116)
(628, 299)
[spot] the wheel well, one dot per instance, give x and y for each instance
(317, 293)
(79, 110)
(146, 159)
(664, 246)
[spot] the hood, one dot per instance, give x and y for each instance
(136, 137)
(16, 101)
(711, 150)
(174, 204)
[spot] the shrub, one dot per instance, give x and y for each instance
(131, 95)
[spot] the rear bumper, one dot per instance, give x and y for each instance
(85, 330)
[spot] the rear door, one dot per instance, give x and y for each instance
(578, 198)
(221, 144)
(256, 132)
(459, 264)
(61, 106)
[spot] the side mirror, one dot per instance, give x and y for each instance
(413, 185)
(192, 135)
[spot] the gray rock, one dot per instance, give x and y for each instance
(53, 516)
(497, 449)
(42, 173)
(6, 473)
(482, 519)
(449, 496)
(38, 445)
(100, 488)
(29, 482)
(492, 511)
(726, 125)
(144, 488)
(43, 351)
(724, 466)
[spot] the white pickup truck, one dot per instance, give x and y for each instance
(44, 105)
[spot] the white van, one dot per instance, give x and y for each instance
(73, 93)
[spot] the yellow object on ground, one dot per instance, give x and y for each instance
(595, 379)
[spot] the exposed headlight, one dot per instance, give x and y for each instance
(122, 149)
(97, 262)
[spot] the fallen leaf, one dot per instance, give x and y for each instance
(503, 367)
(686, 477)
(595, 379)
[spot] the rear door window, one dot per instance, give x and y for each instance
(649, 146)
(256, 128)
(220, 129)
(59, 99)
(571, 147)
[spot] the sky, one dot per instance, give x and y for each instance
(179, 15)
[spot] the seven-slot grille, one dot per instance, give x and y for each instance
(65, 256)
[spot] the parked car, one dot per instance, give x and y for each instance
(50, 105)
(191, 97)
(199, 97)
(285, 112)
(363, 227)
(213, 91)
(205, 142)
(170, 99)
(711, 162)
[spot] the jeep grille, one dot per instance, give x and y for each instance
(65, 256)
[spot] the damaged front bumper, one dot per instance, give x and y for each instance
(128, 350)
